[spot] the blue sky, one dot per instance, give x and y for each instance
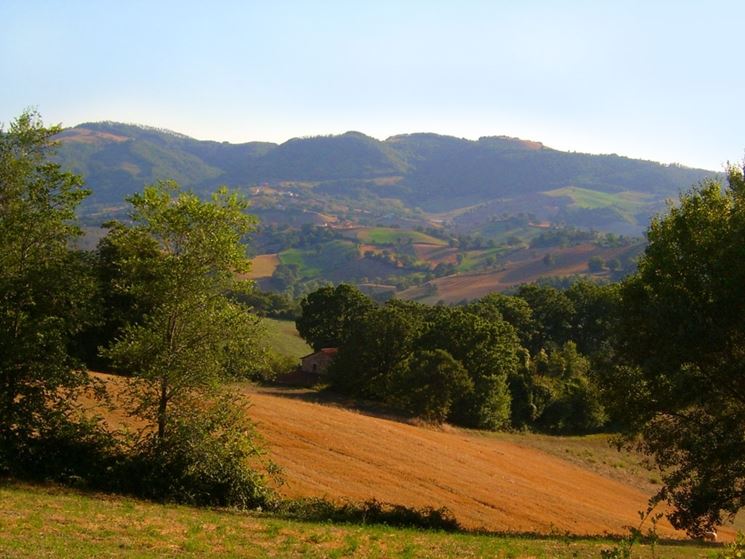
(657, 80)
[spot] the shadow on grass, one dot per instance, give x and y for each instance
(328, 397)
(367, 512)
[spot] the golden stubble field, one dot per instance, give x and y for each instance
(487, 481)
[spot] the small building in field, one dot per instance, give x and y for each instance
(318, 361)
(312, 368)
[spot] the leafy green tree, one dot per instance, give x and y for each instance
(116, 304)
(680, 379)
(192, 335)
(514, 310)
(596, 314)
(613, 264)
(487, 349)
(429, 384)
(553, 314)
(328, 315)
(285, 276)
(566, 398)
(376, 349)
(44, 286)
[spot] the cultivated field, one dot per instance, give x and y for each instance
(390, 236)
(263, 266)
(492, 482)
(496, 482)
(520, 267)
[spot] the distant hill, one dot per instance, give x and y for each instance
(423, 216)
(448, 178)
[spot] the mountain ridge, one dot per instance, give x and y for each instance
(421, 171)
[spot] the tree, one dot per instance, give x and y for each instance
(613, 264)
(596, 264)
(328, 315)
(192, 334)
(680, 381)
(514, 310)
(429, 384)
(553, 314)
(596, 313)
(487, 349)
(44, 286)
(375, 350)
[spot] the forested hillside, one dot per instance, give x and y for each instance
(404, 176)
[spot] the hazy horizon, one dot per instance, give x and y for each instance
(649, 80)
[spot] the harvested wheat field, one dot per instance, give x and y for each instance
(263, 266)
(328, 451)
(487, 482)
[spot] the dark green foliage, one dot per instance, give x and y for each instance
(574, 408)
(415, 356)
(596, 264)
(369, 512)
(596, 315)
(376, 349)
(271, 305)
(429, 383)
(466, 365)
(285, 276)
(561, 396)
(555, 388)
(328, 315)
(45, 289)
(680, 373)
(76, 452)
(514, 310)
(210, 457)
(552, 313)
(487, 349)
(562, 237)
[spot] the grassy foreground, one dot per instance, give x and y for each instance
(54, 522)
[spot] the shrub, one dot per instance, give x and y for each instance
(369, 512)
(210, 457)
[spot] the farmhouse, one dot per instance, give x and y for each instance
(318, 361)
(312, 368)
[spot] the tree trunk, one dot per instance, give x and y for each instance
(162, 403)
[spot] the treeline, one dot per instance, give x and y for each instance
(663, 349)
(522, 361)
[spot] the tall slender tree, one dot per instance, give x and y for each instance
(193, 334)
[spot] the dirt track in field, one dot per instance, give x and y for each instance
(486, 483)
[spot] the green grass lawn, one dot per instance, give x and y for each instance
(48, 521)
(284, 339)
